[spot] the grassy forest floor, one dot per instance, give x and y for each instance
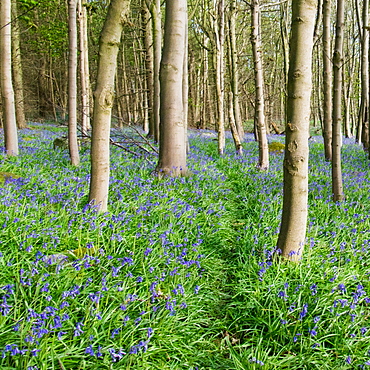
(179, 274)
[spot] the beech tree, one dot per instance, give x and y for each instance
(327, 80)
(155, 11)
(294, 217)
(17, 69)
(172, 144)
(219, 34)
(364, 106)
(234, 74)
(336, 166)
(7, 92)
(103, 101)
(72, 83)
(259, 105)
(84, 68)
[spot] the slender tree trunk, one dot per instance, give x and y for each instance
(284, 17)
(234, 75)
(336, 167)
(364, 107)
(17, 69)
(110, 39)
(84, 69)
(72, 83)
(232, 118)
(7, 92)
(155, 11)
(233, 127)
(172, 146)
(149, 65)
(263, 159)
(294, 218)
(220, 37)
(327, 80)
(205, 89)
(185, 81)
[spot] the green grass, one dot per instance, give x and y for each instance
(178, 275)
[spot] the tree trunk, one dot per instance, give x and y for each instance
(294, 218)
(232, 118)
(327, 80)
(172, 145)
(155, 11)
(17, 69)
(149, 65)
(234, 129)
(336, 167)
(72, 83)
(220, 36)
(263, 158)
(185, 82)
(234, 75)
(364, 107)
(284, 17)
(84, 69)
(7, 92)
(103, 101)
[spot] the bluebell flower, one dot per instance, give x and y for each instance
(78, 329)
(89, 350)
(304, 311)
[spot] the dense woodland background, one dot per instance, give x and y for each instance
(43, 31)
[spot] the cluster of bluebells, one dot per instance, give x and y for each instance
(144, 262)
(75, 263)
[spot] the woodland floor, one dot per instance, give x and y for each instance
(179, 275)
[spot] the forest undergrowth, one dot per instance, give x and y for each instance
(179, 274)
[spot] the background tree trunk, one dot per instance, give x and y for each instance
(72, 83)
(294, 218)
(219, 25)
(260, 122)
(234, 73)
(149, 65)
(10, 124)
(17, 69)
(84, 69)
(103, 101)
(327, 80)
(155, 11)
(364, 107)
(336, 167)
(172, 145)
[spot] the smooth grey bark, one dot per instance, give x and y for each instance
(364, 106)
(7, 92)
(336, 165)
(294, 217)
(259, 105)
(109, 42)
(155, 11)
(172, 144)
(219, 33)
(17, 69)
(233, 127)
(72, 83)
(232, 118)
(284, 20)
(84, 68)
(149, 65)
(234, 73)
(327, 80)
